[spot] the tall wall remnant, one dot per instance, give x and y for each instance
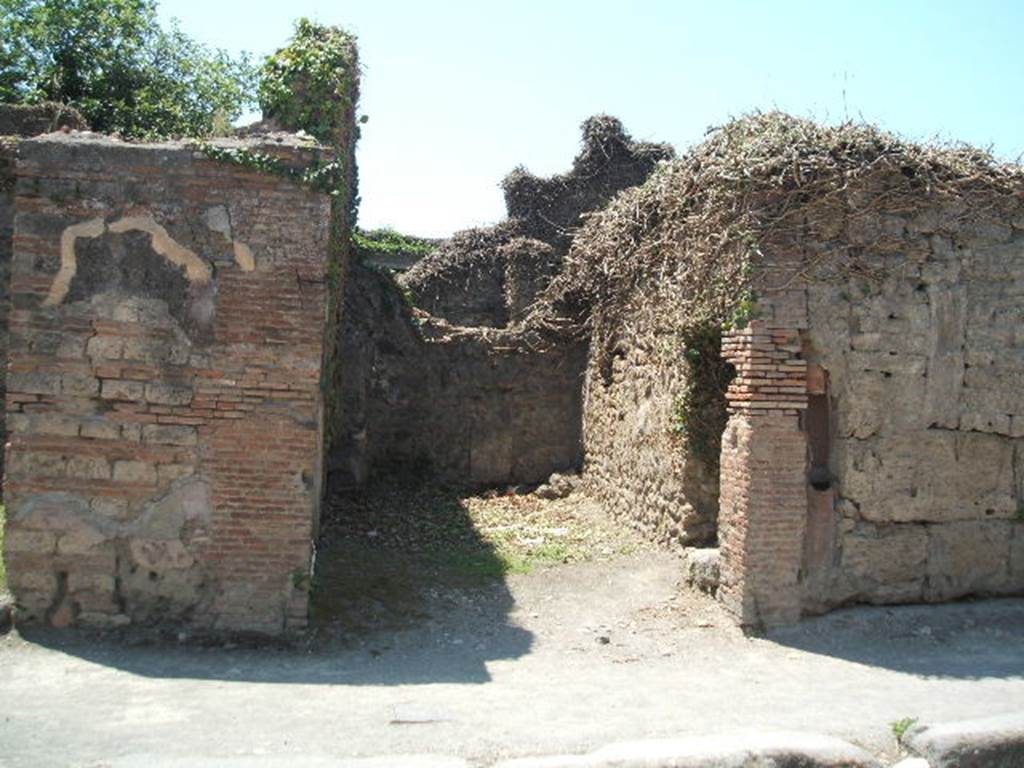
(868, 291)
(163, 397)
(173, 316)
(460, 388)
(490, 276)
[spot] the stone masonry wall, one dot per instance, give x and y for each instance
(925, 367)
(874, 449)
(634, 462)
(8, 157)
(465, 405)
(163, 400)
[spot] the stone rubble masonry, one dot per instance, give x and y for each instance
(472, 405)
(634, 463)
(164, 411)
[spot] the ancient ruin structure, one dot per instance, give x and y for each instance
(799, 344)
(867, 292)
(173, 310)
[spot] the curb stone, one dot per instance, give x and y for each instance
(777, 750)
(990, 742)
(288, 761)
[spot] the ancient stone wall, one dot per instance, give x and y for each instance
(8, 157)
(163, 400)
(464, 405)
(635, 460)
(874, 448)
(35, 119)
(925, 367)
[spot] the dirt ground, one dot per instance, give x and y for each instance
(559, 634)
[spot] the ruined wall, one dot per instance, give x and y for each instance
(8, 158)
(491, 275)
(874, 448)
(925, 366)
(163, 400)
(464, 405)
(635, 460)
(34, 119)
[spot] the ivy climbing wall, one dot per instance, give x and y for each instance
(164, 401)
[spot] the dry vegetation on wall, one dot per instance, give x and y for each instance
(549, 209)
(691, 236)
(699, 224)
(500, 268)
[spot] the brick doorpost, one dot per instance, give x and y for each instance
(763, 476)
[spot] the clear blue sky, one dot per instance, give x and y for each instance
(459, 92)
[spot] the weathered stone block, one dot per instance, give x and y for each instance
(112, 508)
(26, 464)
(34, 383)
(79, 385)
(88, 467)
(18, 540)
(116, 389)
(886, 563)
(160, 554)
(80, 538)
(169, 434)
(167, 473)
(100, 429)
(968, 557)
(168, 394)
(131, 432)
(105, 347)
(134, 472)
(54, 424)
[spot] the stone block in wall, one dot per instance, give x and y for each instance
(1016, 579)
(968, 557)
(934, 475)
(885, 563)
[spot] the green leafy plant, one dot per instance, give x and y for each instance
(111, 60)
(700, 409)
(386, 242)
(901, 726)
(302, 85)
(325, 176)
(301, 580)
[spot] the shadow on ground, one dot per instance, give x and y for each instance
(406, 591)
(969, 640)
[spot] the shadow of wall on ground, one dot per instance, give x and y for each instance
(968, 640)
(406, 592)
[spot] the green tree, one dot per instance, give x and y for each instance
(113, 61)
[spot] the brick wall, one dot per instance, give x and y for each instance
(763, 503)
(8, 155)
(163, 399)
